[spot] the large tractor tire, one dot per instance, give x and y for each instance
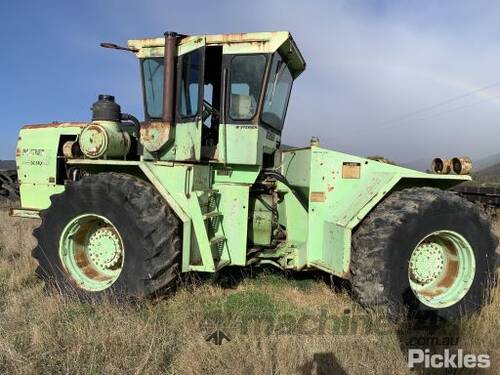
(106, 235)
(425, 253)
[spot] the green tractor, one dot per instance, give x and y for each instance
(127, 207)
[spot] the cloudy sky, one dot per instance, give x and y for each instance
(403, 79)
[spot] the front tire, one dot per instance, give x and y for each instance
(426, 252)
(108, 234)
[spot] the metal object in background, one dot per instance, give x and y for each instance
(488, 194)
(9, 188)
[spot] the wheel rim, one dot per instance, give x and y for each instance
(92, 252)
(441, 269)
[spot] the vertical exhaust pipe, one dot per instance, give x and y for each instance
(155, 135)
(169, 77)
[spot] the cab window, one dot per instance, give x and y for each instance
(152, 73)
(246, 75)
(278, 90)
(190, 84)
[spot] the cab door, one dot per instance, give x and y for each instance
(190, 78)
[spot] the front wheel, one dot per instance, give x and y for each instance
(424, 251)
(108, 234)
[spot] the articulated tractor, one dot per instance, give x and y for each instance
(128, 207)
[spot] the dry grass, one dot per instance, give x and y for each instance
(277, 325)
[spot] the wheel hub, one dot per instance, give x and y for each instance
(104, 248)
(441, 269)
(92, 252)
(427, 263)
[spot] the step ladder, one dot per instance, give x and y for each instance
(208, 234)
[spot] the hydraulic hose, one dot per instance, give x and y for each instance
(278, 176)
(133, 120)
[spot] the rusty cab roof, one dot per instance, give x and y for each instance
(240, 43)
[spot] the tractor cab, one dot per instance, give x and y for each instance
(216, 98)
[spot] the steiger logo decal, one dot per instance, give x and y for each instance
(35, 156)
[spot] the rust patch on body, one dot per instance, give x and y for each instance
(318, 196)
(56, 125)
(155, 134)
(450, 276)
(345, 274)
(97, 147)
(244, 38)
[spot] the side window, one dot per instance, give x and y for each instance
(277, 93)
(208, 97)
(152, 71)
(190, 84)
(246, 76)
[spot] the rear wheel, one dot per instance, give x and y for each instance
(108, 234)
(424, 251)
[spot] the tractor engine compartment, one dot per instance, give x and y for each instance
(264, 229)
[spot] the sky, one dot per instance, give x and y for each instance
(403, 79)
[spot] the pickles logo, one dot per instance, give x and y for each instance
(447, 359)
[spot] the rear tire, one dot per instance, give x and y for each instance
(108, 234)
(424, 252)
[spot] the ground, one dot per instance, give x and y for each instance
(275, 324)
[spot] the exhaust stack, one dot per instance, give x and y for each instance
(169, 77)
(156, 134)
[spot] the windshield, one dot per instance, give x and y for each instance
(277, 93)
(152, 71)
(247, 72)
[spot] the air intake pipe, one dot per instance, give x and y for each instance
(104, 137)
(461, 165)
(441, 166)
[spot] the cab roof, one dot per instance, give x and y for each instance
(240, 43)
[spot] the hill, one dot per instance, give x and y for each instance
(7, 164)
(489, 174)
(418, 165)
(487, 162)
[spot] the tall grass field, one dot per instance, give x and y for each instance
(260, 322)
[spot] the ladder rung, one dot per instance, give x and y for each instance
(211, 215)
(208, 191)
(216, 239)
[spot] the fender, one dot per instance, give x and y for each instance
(342, 189)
